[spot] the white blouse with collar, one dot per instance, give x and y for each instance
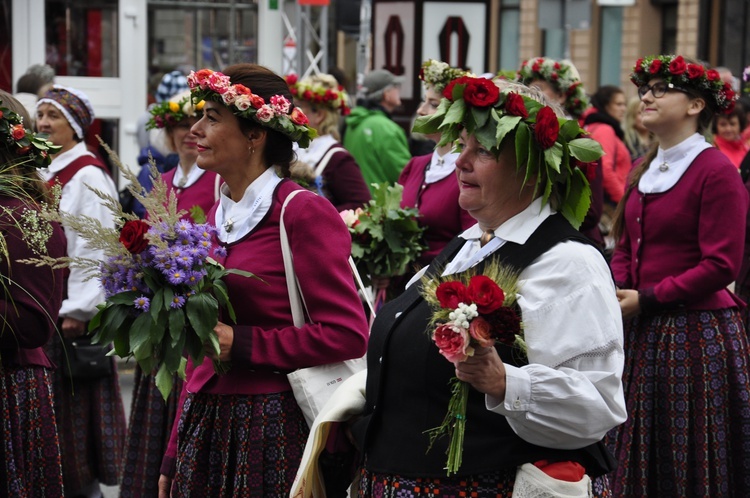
(236, 219)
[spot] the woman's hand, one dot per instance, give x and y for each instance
(72, 328)
(225, 333)
(485, 371)
(629, 303)
(165, 483)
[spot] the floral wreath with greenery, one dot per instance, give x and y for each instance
(560, 74)
(554, 151)
(278, 114)
(171, 112)
(674, 69)
(32, 148)
(438, 74)
(322, 89)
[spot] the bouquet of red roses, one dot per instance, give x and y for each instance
(469, 311)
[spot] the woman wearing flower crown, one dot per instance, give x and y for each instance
(89, 412)
(30, 297)
(430, 181)
(535, 420)
(242, 433)
(150, 417)
(326, 165)
(561, 83)
(682, 226)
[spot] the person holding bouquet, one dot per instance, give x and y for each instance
(242, 433)
(150, 417)
(326, 165)
(533, 417)
(681, 229)
(30, 297)
(89, 411)
(429, 181)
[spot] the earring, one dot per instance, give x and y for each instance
(251, 149)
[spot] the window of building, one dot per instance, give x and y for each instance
(81, 37)
(510, 34)
(554, 43)
(669, 29)
(610, 43)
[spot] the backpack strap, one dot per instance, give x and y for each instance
(64, 176)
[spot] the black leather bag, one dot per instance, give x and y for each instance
(83, 360)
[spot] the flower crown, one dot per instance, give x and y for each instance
(213, 85)
(321, 89)
(673, 69)
(563, 76)
(544, 143)
(33, 147)
(171, 112)
(438, 74)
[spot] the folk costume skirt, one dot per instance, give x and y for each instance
(687, 389)
(91, 424)
(239, 446)
(30, 450)
(490, 485)
(149, 428)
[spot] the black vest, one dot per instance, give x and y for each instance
(402, 357)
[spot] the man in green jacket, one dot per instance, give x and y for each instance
(377, 143)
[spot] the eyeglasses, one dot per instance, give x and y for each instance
(658, 89)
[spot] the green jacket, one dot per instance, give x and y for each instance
(378, 145)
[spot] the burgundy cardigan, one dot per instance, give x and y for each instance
(684, 246)
(201, 193)
(30, 306)
(267, 345)
(343, 183)
(438, 206)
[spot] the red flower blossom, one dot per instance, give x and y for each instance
(481, 92)
(505, 325)
(452, 341)
(695, 71)
(291, 79)
(677, 66)
(639, 65)
(481, 331)
(448, 91)
(547, 127)
(485, 293)
(449, 294)
(655, 66)
(18, 132)
(298, 117)
(514, 105)
(133, 236)
(713, 75)
(257, 101)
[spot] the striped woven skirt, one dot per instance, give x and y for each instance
(30, 451)
(687, 391)
(239, 445)
(149, 428)
(490, 485)
(91, 424)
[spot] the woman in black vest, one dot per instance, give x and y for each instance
(534, 420)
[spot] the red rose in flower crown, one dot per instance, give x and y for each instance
(448, 92)
(514, 105)
(547, 127)
(655, 66)
(481, 92)
(677, 66)
(695, 71)
(133, 236)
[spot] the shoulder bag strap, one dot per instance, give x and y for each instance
(321, 166)
(67, 173)
(296, 299)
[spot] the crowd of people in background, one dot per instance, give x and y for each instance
(644, 389)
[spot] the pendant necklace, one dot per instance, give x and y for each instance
(664, 166)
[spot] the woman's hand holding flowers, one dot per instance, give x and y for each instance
(225, 335)
(485, 371)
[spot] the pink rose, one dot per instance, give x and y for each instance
(485, 293)
(449, 294)
(228, 96)
(453, 342)
(280, 104)
(265, 114)
(481, 331)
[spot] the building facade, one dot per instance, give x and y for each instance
(116, 50)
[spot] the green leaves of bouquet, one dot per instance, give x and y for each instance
(386, 238)
(552, 151)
